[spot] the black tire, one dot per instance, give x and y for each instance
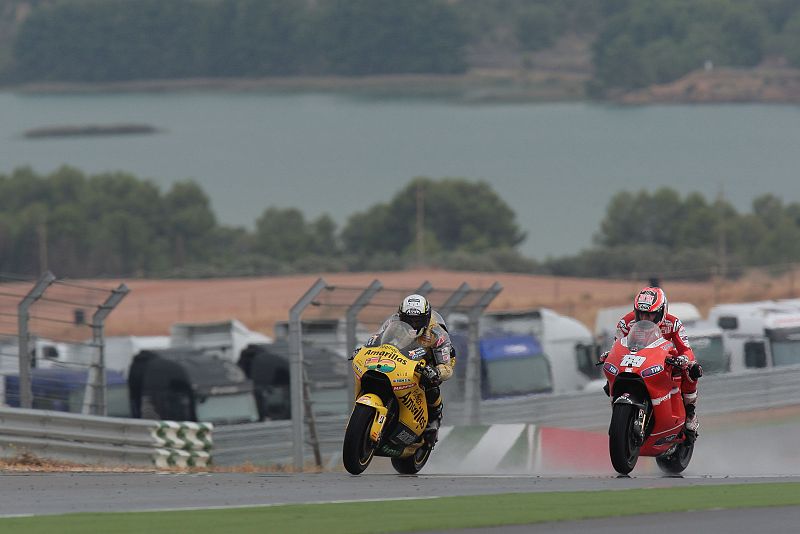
(676, 462)
(622, 442)
(415, 462)
(358, 449)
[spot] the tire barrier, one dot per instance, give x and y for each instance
(183, 444)
(104, 440)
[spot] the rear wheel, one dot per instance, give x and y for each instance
(677, 461)
(415, 462)
(623, 444)
(358, 448)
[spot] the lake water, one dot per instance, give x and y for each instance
(557, 165)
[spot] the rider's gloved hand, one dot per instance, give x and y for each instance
(695, 370)
(682, 361)
(429, 377)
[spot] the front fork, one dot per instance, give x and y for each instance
(639, 424)
(375, 402)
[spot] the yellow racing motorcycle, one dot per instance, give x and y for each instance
(390, 412)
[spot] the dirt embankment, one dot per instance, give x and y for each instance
(778, 85)
(154, 305)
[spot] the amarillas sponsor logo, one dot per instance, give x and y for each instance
(415, 408)
(384, 354)
(383, 365)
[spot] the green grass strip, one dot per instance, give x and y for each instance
(420, 514)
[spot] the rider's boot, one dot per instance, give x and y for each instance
(431, 432)
(692, 422)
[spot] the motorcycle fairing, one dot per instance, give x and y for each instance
(414, 411)
(387, 372)
(374, 401)
(659, 392)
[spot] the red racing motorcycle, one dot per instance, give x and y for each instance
(647, 417)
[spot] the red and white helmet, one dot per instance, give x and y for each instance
(651, 300)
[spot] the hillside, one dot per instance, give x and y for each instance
(778, 85)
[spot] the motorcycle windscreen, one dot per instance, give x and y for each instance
(642, 334)
(400, 335)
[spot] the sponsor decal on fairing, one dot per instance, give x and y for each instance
(417, 353)
(383, 365)
(631, 360)
(666, 439)
(650, 371)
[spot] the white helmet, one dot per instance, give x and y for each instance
(416, 311)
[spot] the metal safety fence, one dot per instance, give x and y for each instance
(720, 396)
(337, 318)
(52, 344)
(104, 440)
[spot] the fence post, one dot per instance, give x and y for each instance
(351, 320)
(355, 308)
(424, 289)
(94, 397)
(472, 393)
(25, 393)
(452, 302)
(296, 368)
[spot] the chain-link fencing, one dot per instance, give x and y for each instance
(330, 321)
(52, 345)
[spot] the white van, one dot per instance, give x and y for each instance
(564, 342)
(760, 334)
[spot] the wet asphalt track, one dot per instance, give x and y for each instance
(58, 493)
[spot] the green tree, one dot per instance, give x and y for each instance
(189, 222)
(658, 41)
(537, 28)
(792, 39)
(359, 37)
(283, 234)
(457, 214)
(257, 38)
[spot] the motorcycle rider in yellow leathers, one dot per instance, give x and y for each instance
(415, 310)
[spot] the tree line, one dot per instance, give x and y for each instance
(113, 40)
(690, 237)
(657, 41)
(117, 225)
(636, 43)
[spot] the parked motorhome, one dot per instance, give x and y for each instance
(328, 375)
(227, 339)
(330, 333)
(183, 384)
(523, 351)
(62, 389)
(760, 334)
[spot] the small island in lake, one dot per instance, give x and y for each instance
(90, 130)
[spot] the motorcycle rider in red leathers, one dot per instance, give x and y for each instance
(651, 304)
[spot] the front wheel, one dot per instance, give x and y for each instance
(358, 448)
(676, 462)
(415, 462)
(623, 444)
